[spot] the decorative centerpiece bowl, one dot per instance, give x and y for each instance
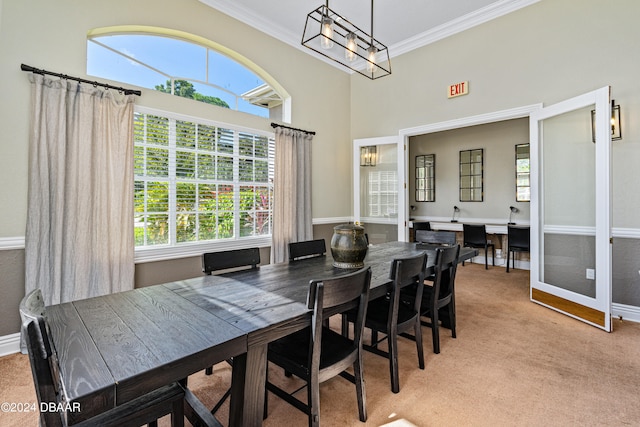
(348, 246)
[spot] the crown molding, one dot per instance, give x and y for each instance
(460, 24)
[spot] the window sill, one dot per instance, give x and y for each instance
(185, 250)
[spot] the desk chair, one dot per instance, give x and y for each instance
(475, 236)
(307, 249)
(438, 296)
(388, 316)
(45, 369)
(518, 241)
(317, 353)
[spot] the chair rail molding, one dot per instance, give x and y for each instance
(11, 243)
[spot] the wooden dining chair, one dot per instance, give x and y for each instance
(317, 353)
(519, 240)
(388, 316)
(307, 249)
(438, 296)
(475, 236)
(142, 410)
(248, 258)
(436, 237)
(233, 259)
(31, 306)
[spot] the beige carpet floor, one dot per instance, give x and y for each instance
(514, 363)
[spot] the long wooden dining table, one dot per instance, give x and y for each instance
(114, 348)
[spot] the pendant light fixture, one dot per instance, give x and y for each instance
(333, 36)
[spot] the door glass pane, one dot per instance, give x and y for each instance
(379, 195)
(567, 232)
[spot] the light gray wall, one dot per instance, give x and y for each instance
(544, 53)
(498, 140)
(52, 35)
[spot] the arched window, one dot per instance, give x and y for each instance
(200, 184)
(184, 65)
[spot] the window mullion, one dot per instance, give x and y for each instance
(236, 184)
(172, 182)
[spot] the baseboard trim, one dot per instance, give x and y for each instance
(10, 344)
(625, 312)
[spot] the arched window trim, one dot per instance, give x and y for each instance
(202, 41)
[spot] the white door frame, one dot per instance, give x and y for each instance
(574, 304)
(383, 140)
(497, 116)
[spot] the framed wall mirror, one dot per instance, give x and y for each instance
(426, 178)
(472, 175)
(523, 182)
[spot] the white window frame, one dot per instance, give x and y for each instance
(175, 250)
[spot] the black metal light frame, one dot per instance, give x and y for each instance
(616, 123)
(312, 36)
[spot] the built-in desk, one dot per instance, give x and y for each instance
(496, 232)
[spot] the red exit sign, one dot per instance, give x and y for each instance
(458, 89)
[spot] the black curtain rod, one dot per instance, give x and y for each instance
(77, 79)
(276, 125)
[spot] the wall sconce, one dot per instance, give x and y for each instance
(368, 155)
(616, 124)
(512, 210)
(456, 210)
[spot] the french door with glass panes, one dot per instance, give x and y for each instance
(571, 208)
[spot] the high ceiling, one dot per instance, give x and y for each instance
(402, 25)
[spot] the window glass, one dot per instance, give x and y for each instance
(182, 68)
(197, 181)
(425, 178)
(523, 184)
(472, 175)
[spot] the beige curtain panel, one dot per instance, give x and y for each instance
(79, 237)
(292, 192)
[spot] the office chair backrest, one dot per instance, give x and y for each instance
(421, 225)
(215, 261)
(474, 234)
(518, 237)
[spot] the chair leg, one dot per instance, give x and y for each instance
(452, 316)
(508, 257)
(360, 390)
(435, 332)
(209, 370)
(177, 414)
(486, 257)
(417, 333)
(493, 255)
(313, 396)
(392, 339)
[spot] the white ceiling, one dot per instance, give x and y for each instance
(402, 25)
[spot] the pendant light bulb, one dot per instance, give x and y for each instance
(371, 59)
(351, 48)
(326, 41)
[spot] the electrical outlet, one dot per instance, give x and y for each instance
(591, 273)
